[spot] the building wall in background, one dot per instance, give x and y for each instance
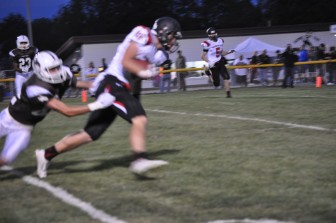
(191, 48)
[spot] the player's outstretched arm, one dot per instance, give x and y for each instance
(103, 101)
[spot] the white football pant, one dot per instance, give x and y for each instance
(17, 136)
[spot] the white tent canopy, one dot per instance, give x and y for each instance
(251, 44)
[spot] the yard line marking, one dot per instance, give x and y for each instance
(65, 196)
(247, 119)
(250, 221)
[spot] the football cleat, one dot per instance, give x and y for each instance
(141, 166)
(42, 163)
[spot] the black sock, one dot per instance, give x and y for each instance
(143, 155)
(228, 94)
(50, 153)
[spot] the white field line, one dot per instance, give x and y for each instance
(245, 119)
(92, 211)
(66, 197)
(249, 221)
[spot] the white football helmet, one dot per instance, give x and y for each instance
(22, 42)
(49, 68)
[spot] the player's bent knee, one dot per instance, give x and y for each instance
(139, 120)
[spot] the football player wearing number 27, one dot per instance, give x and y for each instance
(41, 93)
(141, 44)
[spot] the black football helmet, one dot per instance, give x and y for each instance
(212, 33)
(165, 26)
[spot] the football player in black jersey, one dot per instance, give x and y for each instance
(22, 58)
(41, 93)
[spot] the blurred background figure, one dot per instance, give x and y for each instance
(241, 72)
(180, 62)
(254, 60)
(90, 71)
(165, 78)
(103, 66)
(276, 70)
(303, 57)
(289, 58)
(76, 70)
(263, 59)
(22, 59)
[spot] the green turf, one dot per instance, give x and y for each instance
(221, 167)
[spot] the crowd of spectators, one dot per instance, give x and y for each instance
(290, 73)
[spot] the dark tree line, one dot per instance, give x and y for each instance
(99, 17)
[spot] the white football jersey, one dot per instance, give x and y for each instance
(145, 41)
(214, 49)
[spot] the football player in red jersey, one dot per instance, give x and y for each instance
(213, 54)
(40, 94)
(141, 44)
(22, 58)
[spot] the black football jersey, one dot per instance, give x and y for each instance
(31, 107)
(24, 58)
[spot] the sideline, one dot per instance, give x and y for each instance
(66, 197)
(293, 125)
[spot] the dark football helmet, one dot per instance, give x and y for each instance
(167, 28)
(212, 33)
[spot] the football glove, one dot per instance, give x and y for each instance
(104, 100)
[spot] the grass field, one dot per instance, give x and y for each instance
(266, 153)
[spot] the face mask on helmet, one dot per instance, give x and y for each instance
(212, 34)
(168, 30)
(22, 42)
(49, 68)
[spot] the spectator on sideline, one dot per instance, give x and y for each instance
(303, 57)
(22, 58)
(165, 78)
(312, 68)
(75, 69)
(241, 72)
(289, 58)
(103, 66)
(276, 70)
(180, 62)
(263, 59)
(331, 66)
(321, 55)
(91, 70)
(254, 61)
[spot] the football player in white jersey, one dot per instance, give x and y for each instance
(213, 53)
(22, 58)
(40, 94)
(142, 43)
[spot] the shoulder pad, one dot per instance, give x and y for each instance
(141, 35)
(205, 44)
